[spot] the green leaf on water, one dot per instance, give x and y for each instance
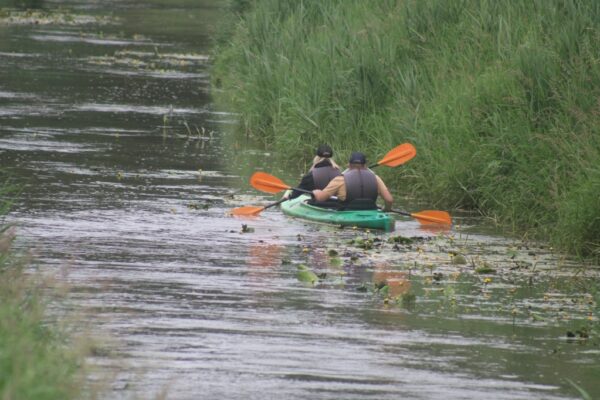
(335, 262)
(400, 239)
(485, 270)
(385, 291)
(306, 275)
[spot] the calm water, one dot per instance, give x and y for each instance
(128, 176)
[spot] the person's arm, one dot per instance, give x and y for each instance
(321, 195)
(383, 191)
(331, 189)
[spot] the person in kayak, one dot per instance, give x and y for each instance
(322, 171)
(356, 189)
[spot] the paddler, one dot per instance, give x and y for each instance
(357, 188)
(322, 171)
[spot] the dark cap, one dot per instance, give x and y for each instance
(324, 151)
(357, 158)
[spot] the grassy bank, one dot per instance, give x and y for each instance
(36, 360)
(500, 97)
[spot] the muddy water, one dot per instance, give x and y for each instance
(106, 117)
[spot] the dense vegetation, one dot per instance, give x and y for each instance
(35, 360)
(500, 97)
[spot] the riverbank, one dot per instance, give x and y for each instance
(498, 97)
(38, 360)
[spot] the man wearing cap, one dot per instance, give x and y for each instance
(322, 171)
(358, 188)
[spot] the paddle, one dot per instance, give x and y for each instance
(271, 184)
(428, 217)
(397, 156)
(265, 183)
(252, 210)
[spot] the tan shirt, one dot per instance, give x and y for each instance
(337, 187)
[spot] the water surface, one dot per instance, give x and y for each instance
(110, 124)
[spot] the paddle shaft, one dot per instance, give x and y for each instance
(275, 204)
(401, 212)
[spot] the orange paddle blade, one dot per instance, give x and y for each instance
(267, 183)
(247, 210)
(398, 155)
(433, 217)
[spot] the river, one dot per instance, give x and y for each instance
(107, 118)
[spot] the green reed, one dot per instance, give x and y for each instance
(37, 360)
(500, 98)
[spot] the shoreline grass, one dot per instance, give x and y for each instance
(38, 360)
(500, 98)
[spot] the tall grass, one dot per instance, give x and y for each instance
(500, 98)
(36, 359)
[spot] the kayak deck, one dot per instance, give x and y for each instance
(371, 219)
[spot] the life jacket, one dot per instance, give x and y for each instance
(323, 175)
(361, 189)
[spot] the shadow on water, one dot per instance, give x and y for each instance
(107, 117)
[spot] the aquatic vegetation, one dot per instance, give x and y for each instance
(520, 283)
(58, 17)
(304, 274)
(247, 229)
(38, 359)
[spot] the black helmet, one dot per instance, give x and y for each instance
(357, 158)
(324, 151)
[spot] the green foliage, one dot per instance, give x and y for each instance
(499, 97)
(304, 274)
(36, 362)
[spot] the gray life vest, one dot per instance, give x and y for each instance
(323, 175)
(361, 186)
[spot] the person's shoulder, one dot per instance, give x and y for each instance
(379, 180)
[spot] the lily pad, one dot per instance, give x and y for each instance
(306, 275)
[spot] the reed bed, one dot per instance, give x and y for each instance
(500, 97)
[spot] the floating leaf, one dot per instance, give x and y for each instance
(400, 239)
(306, 275)
(459, 259)
(335, 262)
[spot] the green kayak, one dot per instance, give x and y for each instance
(372, 219)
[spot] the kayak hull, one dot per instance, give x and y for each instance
(370, 219)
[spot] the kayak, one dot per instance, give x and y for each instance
(371, 219)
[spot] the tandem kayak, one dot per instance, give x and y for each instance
(372, 219)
